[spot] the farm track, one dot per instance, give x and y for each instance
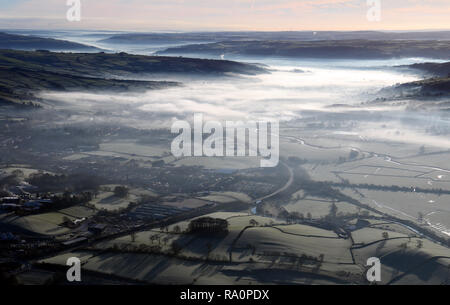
(378, 241)
(387, 158)
(271, 227)
(303, 235)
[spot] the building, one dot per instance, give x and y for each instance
(8, 236)
(155, 211)
(159, 163)
(78, 221)
(13, 200)
(9, 206)
(97, 228)
(33, 205)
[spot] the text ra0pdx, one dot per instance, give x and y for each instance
(246, 294)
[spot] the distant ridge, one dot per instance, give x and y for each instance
(23, 42)
(326, 49)
(143, 38)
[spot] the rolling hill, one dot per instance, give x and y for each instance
(24, 42)
(326, 49)
(24, 72)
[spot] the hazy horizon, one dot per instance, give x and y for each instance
(247, 15)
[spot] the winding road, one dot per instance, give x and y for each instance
(285, 187)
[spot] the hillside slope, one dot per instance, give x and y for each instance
(23, 42)
(329, 49)
(22, 73)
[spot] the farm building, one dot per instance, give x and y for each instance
(9, 206)
(155, 211)
(12, 200)
(97, 228)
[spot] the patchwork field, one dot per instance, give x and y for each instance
(221, 163)
(291, 148)
(319, 207)
(402, 259)
(172, 271)
(435, 209)
(381, 171)
(193, 246)
(271, 243)
(224, 197)
(191, 203)
(134, 149)
(45, 224)
(263, 250)
(370, 235)
(108, 201)
(78, 212)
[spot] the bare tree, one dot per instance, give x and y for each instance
(419, 244)
(420, 217)
(333, 210)
(253, 222)
(177, 229)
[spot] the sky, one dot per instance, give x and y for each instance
(210, 15)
